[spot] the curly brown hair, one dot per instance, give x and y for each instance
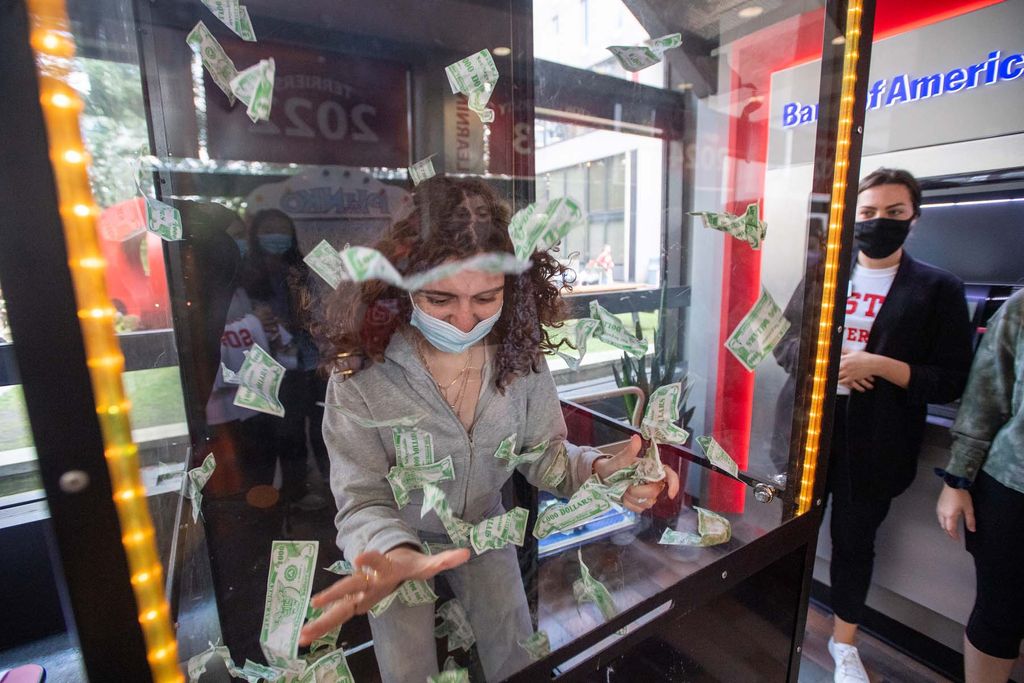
(360, 318)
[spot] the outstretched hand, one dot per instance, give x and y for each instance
(377, 576)
(640, 497)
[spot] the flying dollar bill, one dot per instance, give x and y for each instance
(454, 624)
(538, 646)
(757, 334)
(717, 455)
(540, 226)
(475, 77)
(634, 58)
(407, 478)
(747, 227)
(588, 589)
(365, 263)
(421, 170)
(195, 481)
(325, 261)
(216, 62)
(289, 583)
(259, 382)
(662, 414)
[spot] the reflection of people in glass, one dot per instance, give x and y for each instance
(465, 353)
(906, 344)
(274, 279)
(604, 263)
(984, 483)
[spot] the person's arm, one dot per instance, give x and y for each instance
(942, 376)
(368, 518)
(986, 406)
(544, 422)
(988, 400)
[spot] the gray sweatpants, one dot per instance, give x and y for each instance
(490, 588)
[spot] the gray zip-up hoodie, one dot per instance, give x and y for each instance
(368, 517)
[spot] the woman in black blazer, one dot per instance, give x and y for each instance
(907, 343)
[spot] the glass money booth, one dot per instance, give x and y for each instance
(454, 312)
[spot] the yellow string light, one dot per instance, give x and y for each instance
(824, 342)
(54, 46)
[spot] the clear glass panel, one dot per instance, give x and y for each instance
(459, 380)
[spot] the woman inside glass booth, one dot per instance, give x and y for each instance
(465, 355)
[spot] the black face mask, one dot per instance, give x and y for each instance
(880, 237)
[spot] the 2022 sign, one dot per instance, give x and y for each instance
(327, 109)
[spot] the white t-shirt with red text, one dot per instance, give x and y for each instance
(868, 289)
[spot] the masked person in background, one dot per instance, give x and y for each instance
(466, 354)
(275, 281)
(906, 343)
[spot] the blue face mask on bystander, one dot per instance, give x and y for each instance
(275, 243)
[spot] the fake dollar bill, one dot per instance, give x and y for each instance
(327, 641)
(254, 87)
(506, 452)
(450, 676)
(410, 593)
(758, 333)
(717, 455)
(366, 423)
(588, 589)
(195, 481)
(637, 57)
(747, 227)
(475, 76)
(341, 567)
(557, 470)
(365, 263)
(421, 170)
(435, 500)
(259, 382)
(331, 668)
(539, 227)
(662, 414)
(650, 467)
(455, 625)
(413, 446)
(588, 502)
(538, 646)
(234, 16)
(163, 220)
(196, 665)
(712, 529)
(603, 325)
(216, 62)
(289, 582)
(255, 673)
(435, 548)
(324, 260)
(497, 532)
(613, 331)
(634, 58)
(585, 328)
(405, 479)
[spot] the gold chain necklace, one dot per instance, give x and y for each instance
(463, 374)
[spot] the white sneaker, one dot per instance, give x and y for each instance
(849, 668)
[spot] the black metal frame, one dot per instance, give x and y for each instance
(822, 183)
(58, 392)
(44, 321)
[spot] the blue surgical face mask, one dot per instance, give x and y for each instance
(446, 337)
(243, 246)
(274, 243)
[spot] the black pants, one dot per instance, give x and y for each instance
(856, 517)
(996, 625)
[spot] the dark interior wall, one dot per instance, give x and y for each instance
(977, 242)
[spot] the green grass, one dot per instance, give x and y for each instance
(155, 395)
